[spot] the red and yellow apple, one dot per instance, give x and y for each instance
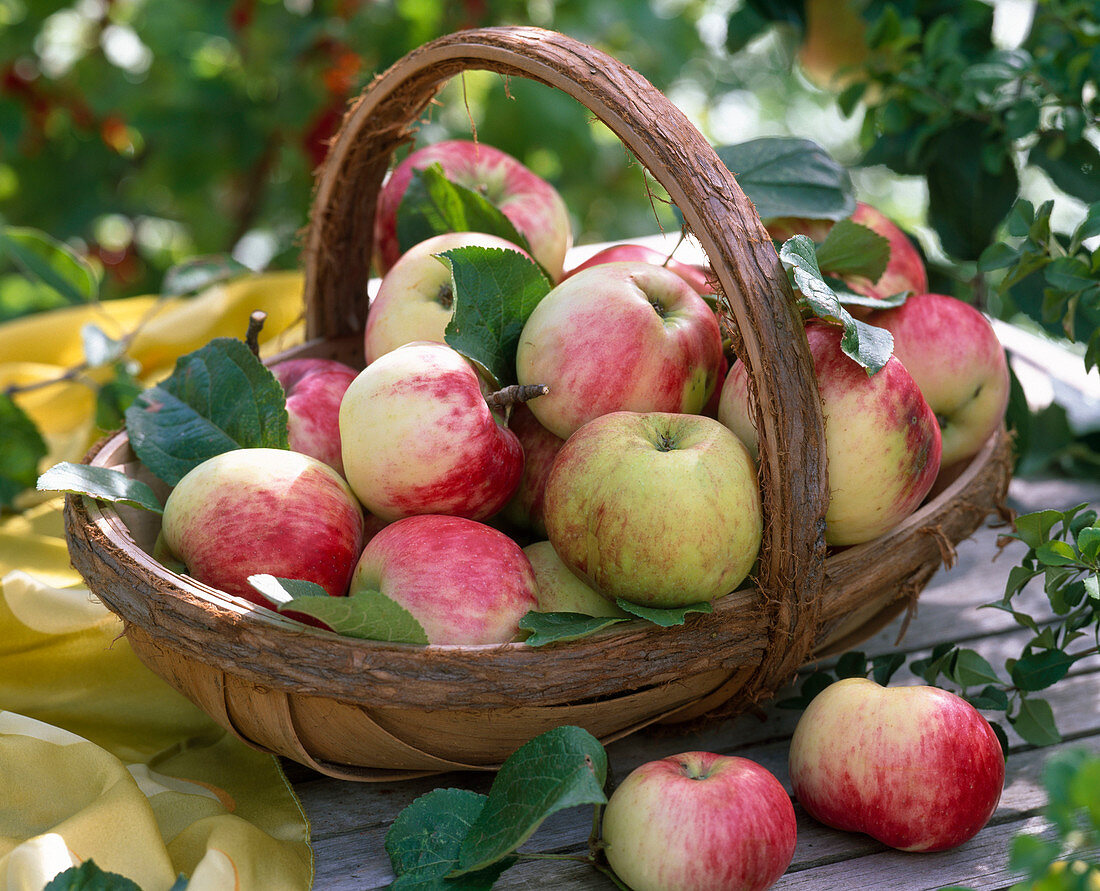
(540, 446)
(560, 590)
(314, 388)
(694, 274)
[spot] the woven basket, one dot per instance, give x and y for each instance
(367, 710)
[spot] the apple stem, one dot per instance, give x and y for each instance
(255, 325)
(515, 394)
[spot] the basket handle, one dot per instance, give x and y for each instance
(755, 295)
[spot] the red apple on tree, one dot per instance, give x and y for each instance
(314, 388)
(695, 275)
(532, 204)
(917, 768)
(660, 509)
(954, 355)
(463, 581)
(699, 822)
(419, 438)
(882, 440)
(415, 299)
(619, 336)
(251, 511)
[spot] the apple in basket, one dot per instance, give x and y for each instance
(905, 269)
(415, 300)
(658, 508)
(532, 205)
(418, 437)
(559, 588)
(916, 767)
(958, 362)
(699, 821)
(693, 274)
(525, 509)
(619, 336)
(882, 440)
(463, 581)
(314, 388)
(258, 510)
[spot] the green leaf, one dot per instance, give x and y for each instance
(562, 768)
(21, 449)
(869, 345)
(1032, 855)
(850, 298)
(666, 618)
(1069, 274)
(51, 261)
(89, 877)
(423, 843)
(997, 256)
(114, 397)
(990, 699)
(1034, 528)
(432, 205)
(218, 398)
(198, 273)
(1090, 225)
(1073, 167)
(102, 483)
(1037, 671)
(799, 257)
(547, 628)
(495, 291)
(1056, 553)
(368, 615)
(883, 667)
(969, 669)
(1092, 586)
(790, 177)
(853, 249)
(1035, 722)
(814, 684)
(852, 664)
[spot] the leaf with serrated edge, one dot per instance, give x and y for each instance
(853, 249)
(666, 618)
(367, 615)
(102, 483)
(424, 841)
(495, 291)
(562, 768)
(218, 398)
(547, 628)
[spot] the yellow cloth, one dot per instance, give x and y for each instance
(99, 758)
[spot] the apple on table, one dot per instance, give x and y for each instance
(532, 204)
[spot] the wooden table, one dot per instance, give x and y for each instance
(350, 820)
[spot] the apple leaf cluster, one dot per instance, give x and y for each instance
(1064, 550)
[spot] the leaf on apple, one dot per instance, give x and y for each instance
(102, 483)
(423, 842)
(851, 248)
(790, 177)
(561, 768)
(21, 448)
(666, 618)
(368, 615)
(432, 205)
(547, 628)
(219, 397)
(495, 291)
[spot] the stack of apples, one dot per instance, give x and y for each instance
(632, 476)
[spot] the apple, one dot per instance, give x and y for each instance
(882, 440)
(954, 355)
(699, 821)
(619, 336)
(465, 582)
(905, 269)
(695, 275)
(658, 508)
(415, 300)
(532, 204)
(314, 388)
(560, 590)
(917, 768)
(258, 510)
(540, 446)
(419, 438)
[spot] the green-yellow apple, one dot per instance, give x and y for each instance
(958, 362)
(621, 336)
(559, 588)
(658, 508)
(251, 511)
(882, 440)
(314, 388)
(917, 768)
(415, 300)
(540, 446)
(419, 438)
(465, 582)
(532, 204)
(699, 821)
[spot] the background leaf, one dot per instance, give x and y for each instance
(51, 261)
(21, 449)
(1035, 722)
